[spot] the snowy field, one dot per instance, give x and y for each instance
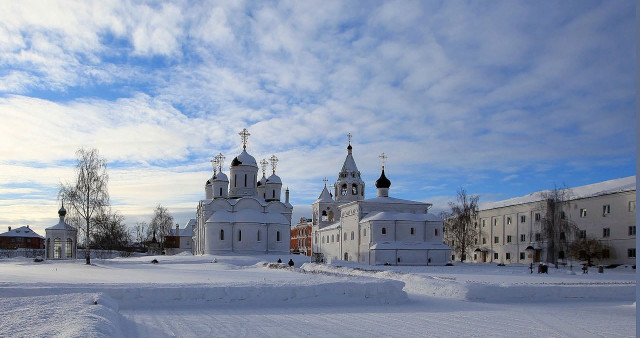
(249, 296)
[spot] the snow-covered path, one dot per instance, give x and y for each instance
(432, 318)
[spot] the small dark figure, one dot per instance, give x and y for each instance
(154, 261)
(531, 267)
(585, 269)
(290, 262)
(279, 260)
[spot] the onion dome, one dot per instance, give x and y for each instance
(383, 181)
(221, 177)
(262, 181)
(244, 159)
(62, 212)
(274, 179)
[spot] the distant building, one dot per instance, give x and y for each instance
(62, 239)
(301, 237)
(180, 240)
(22, 237)
(511, 230)
(376, 231)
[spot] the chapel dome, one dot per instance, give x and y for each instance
(221, 177)
(262, 181)
(274, 179)
(62, 212)
(245, 159)
(383, 181)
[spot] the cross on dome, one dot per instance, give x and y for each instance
(219, 161)
(349, 136)
(214, 164)
(274, 162)
(325, 180)
(264, 164)
(244, 134)
(383, 158)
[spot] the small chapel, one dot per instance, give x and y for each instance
(241, 213)
(378, 231)
(61, 239)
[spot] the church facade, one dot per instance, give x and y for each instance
(376, 231)
(241, 213)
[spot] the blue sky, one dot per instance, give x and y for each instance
(502, 97)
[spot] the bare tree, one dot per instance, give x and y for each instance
(89, 193)
(140, 231)
(110, 232)
(161, 223)
(458, 224)
(587, 249)
(556, 225)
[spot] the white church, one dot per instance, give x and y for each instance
(241, 213)
(376, 231)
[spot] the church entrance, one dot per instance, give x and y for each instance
(346, 256)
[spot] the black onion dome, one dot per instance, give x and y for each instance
(259, 183)
(349, 147)
(235, 162)
(383, 181)
(62, 212)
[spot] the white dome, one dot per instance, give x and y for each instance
(244, 159)
(274, 179)
(221, 177)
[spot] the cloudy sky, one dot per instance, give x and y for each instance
(501, 97)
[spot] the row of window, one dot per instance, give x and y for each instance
(412, 231)
(240, 235)
(606, 232)
(631, 253)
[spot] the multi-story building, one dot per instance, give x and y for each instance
(510, 231)
(301, 237)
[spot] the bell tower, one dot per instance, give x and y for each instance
(349, 186)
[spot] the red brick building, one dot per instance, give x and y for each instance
(21, 237)
(301, 237)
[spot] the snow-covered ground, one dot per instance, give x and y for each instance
(192, 296)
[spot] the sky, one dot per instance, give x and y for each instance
(502, 98)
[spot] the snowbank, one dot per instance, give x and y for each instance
(449, 287)
(69, 315)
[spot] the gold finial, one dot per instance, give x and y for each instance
(383, 157)
(274, 162)
(264, 164)
(244, 134)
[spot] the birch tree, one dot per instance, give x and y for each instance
(459, 222)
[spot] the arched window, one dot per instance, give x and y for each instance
(322, 239)
(331, 216)
(352, 236)
(235, 180)
(273, 193)
(343, 191)
(239, 235)
(57, 248)
(277, 236)
(245, 180)
(345, 236)
(346, 256)
(69, 248)
(354, 189)
(436, 232)
(364, 232)
(220, 191)
(384, 231)
(221, 235)
(332, 239)
(324, 215)
(413, 231)
(258, 235)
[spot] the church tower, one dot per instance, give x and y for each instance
(349, 186)
(244, 172)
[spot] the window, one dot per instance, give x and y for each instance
(57, 248)
(563, 237)
(235, 180)
(239, 235)
(484, 240)
(332, 239)
(69, 248)
(352, 236)
(412, 231)
(475, 241)
(507, 255)
(606, 209)
(345, 236)
(523, 218)
(245, 180)
(632, 206)
(508, 220)
(384, 231)
(343, 190)
(632, 230)
(582, 234)
(322, 239)
(221, 235)
(324, 215)
(484, 222)
(354, 189)
(475, 257)
(508, 239)
(606, 232)
(583, 212)
(258, 237)
(523, 237)
(364, 232)
(538, 237)
(631, 253)
(522, 255)
(273, 194)
(496, 239)
(495, 255)
(436, 232)
(563, 215)
(537, 216)
(453, 257)
(277, 236)
(495, 221)
(220, 191)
